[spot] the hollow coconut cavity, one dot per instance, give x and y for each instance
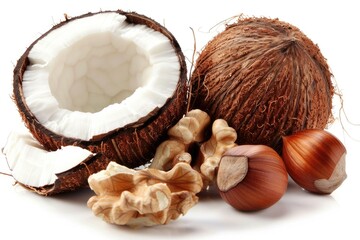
(110, 82)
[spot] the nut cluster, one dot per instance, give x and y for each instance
(248, 177)
(160, 193)
(258, 79)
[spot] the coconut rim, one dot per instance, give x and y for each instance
(34, 124)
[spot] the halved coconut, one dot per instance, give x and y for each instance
(95, 88)
(49, 172)
(111, 82)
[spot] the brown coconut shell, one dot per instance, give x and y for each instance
(266, 79)
(132, 145)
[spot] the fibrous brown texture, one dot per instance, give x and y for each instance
(132, 145)
(266, 79)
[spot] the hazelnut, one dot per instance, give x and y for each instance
(251, 177)
(315, 160)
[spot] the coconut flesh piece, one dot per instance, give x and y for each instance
(98, 73)
(35, 167)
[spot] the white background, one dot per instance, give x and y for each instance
(333, 25)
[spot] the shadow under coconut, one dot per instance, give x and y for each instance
(78, 197)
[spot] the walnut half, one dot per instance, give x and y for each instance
(144, 197)
(189, 130)
(223, 138)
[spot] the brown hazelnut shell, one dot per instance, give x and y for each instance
(315, 160)
(265, 181)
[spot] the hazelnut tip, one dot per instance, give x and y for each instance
(338, 176)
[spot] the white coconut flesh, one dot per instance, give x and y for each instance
(34, 166)
(99, 73)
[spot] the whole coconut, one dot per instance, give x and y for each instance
(266, 78)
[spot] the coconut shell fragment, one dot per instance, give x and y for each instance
(73, 179)
(49, 172)
(266, 79)
(131, 145)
